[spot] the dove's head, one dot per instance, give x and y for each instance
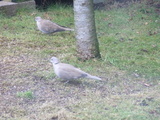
(54, 60)
(38, 18)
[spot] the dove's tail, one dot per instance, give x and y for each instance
(93, 77)
(69, 29)
(63, 28)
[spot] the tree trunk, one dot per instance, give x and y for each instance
(87, 42)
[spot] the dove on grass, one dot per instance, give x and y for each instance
(48, 27)
(69, 72)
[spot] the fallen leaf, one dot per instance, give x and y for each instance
(145, 84)
(146, 23)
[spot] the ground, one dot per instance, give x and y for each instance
(29, 89)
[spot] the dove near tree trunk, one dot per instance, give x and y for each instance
(48, 27)
(69, 72)
(87, 42)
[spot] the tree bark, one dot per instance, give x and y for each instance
(87, 42)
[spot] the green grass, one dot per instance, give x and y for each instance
(126, 42)
(130, 49)
(20, 0)
(27, 94)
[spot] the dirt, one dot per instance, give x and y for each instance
(27, 72)
(22, 73)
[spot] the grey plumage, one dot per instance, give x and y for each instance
(47, 26)
(69, 72)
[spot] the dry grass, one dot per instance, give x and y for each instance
(25, 66)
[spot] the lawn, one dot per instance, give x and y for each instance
(129, 41)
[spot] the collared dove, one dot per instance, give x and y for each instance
(69, 72)
(47, 26)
